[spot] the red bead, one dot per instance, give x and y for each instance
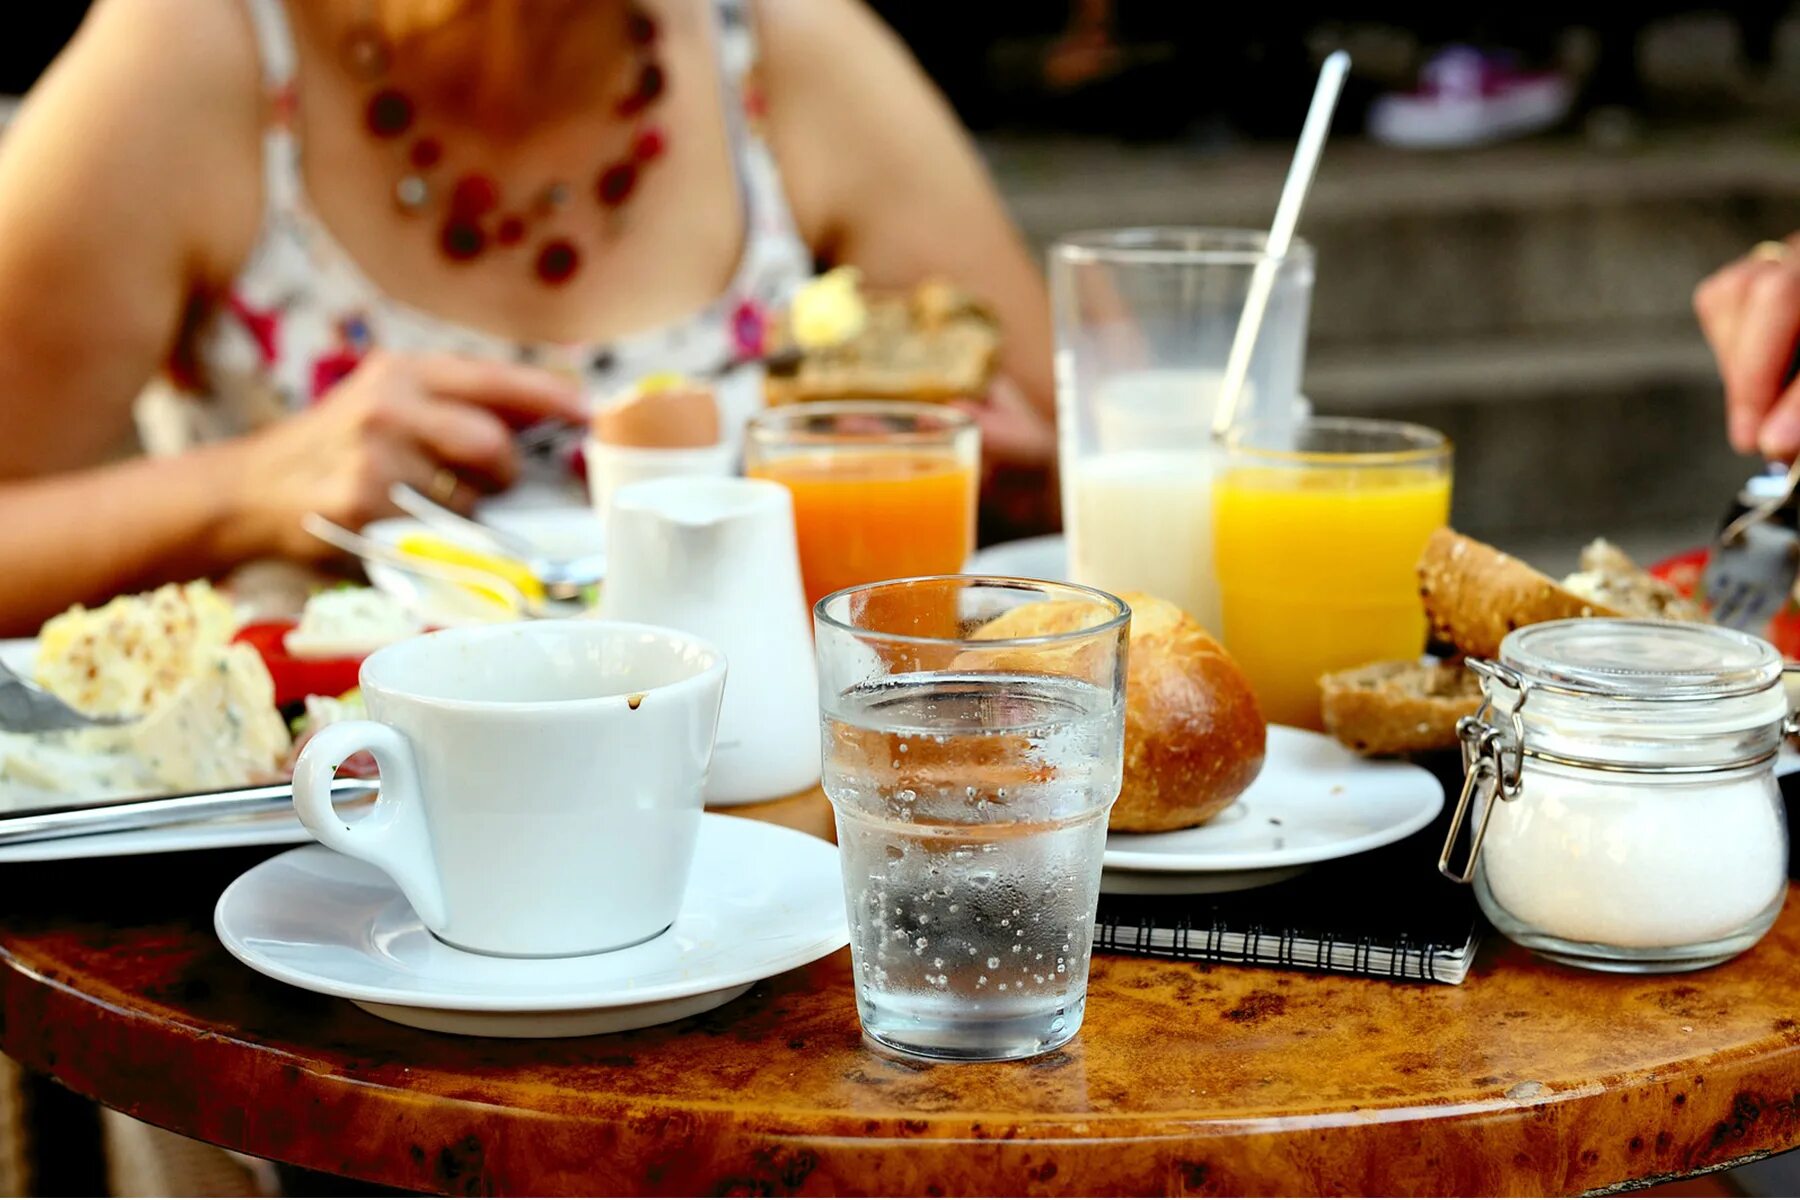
(426, 153)
(650, 144)
(650, 84)
(390, 113)
(462, 240)
(640, 26)
(475, 195)
(616, 184)
(557, 261)
(511, 231)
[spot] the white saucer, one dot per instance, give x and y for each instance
(1314, 801)
(762, 900)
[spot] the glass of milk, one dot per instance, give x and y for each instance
(1144, 322)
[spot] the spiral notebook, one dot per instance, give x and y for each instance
(1387, 913)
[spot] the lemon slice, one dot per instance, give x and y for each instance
(437, 549)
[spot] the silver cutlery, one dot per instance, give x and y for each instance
(126, 816)
(1751, 570)
(27, 708)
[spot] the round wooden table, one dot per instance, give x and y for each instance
(1186, 1079)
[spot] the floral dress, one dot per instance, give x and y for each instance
(301, 314)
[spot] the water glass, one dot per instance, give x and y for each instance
(882, 488)
(1144, 324)
(973, 735)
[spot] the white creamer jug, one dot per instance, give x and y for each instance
(716, 558)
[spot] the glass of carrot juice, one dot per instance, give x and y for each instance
(1318, 529)
(882, 489)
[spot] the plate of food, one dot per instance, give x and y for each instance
(212, 703)
(933, 343)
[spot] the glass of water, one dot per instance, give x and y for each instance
(973, 736)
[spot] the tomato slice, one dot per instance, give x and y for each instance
(297, 678)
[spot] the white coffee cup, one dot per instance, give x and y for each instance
(541, 781)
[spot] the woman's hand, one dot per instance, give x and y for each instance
(1018, 460)
(395, 419)
(1750, 313)
(1013, 432)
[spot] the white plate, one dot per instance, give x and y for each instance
(762, 900)
(1314, 801)
(569, 531)
(273, 829)
(1028, 558)
(270, 829)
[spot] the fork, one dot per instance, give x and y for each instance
(27, 708)
(1751, 571)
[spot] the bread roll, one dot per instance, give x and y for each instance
(1398, 707)
(1194, 736)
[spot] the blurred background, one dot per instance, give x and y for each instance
(1517, 272)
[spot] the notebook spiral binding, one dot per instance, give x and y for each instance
(1401, 957)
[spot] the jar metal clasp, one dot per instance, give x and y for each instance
(1493, 759)
(1791, 726)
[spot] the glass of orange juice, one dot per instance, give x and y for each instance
(882, 489)
(1317, 530)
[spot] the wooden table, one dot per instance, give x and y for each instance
(1187, 1079)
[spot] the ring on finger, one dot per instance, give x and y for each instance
(1769, 251)
(444, 486)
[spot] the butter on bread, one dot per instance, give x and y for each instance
(1474, 594)
(935, 342)
(1608, 576)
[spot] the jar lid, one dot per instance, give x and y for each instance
(1642, 660)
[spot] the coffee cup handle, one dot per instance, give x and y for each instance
(393, 835)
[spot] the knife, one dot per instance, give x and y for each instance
(121, 816)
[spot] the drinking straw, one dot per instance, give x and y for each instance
(1281, 236)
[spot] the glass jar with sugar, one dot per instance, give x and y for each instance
(1620, 786)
